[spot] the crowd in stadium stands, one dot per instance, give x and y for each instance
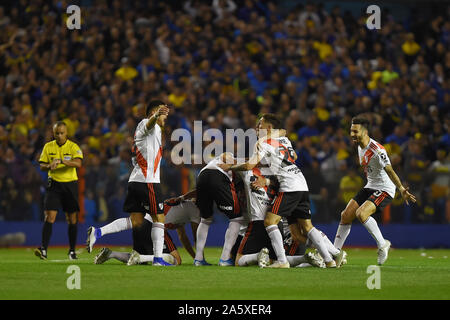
(224, 62)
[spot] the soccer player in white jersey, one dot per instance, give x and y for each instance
(376, 194)
(215, 185)
(256, 245)
(292, 200)
(144, 191)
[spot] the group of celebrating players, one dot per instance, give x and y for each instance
(265, 199)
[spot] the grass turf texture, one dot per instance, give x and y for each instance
(408, 274)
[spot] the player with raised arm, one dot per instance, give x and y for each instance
(376, 194)
(144, 191)
(292, 200)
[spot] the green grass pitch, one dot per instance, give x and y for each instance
(408, 274)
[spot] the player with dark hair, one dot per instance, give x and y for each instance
(376, 194)
(144, 191)
(292, 200)
(60, 157)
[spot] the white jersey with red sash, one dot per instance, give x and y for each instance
(147, 154)
(279, 155)
(373, 158)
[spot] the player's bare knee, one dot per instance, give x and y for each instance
(271, 219)
(137, 219)
(346, 217)
(49, 217)
(361, 215)
(158, 217)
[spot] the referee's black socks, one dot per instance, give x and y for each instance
(46, 234)
(72, 236)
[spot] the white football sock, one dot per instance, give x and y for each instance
(341, 235)
(248, 259)
(121, 256)
(149, 257)
(117, 225)
(319, 243)
(230, 238)
(330, 247)
(372, 226)
(277, 242)
(202, 234)
(296, 260)
(146, 258)
(158, 238)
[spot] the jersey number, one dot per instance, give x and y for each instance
(288, 155)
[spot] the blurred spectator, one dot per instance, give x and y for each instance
(349, 186)
(440, 184)
(222, 62)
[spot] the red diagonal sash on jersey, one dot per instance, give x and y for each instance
(274, 143)
(282, 150)
(141, 161)
(157, 161)
(258, 173)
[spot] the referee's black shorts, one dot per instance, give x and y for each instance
(61, 195)
(213, 186)
(144, 198)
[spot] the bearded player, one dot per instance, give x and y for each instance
(376, 194)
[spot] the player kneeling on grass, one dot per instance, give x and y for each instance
(142, 254)
(177, 211)
(292, 200)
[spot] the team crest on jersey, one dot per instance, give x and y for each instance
(161, 206)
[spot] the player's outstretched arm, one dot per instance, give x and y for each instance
(248, 165)
(177, 200)
(396, 180)
(185, 241)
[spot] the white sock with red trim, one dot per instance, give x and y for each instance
(202, 234)
(372, 226)
(149, 257)
(330, 247)
(296, 260)
(117, 225)
(248, 259)
(319, 243)
(277, 242)
(158, 239)
(341, 235)
(230, 238)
